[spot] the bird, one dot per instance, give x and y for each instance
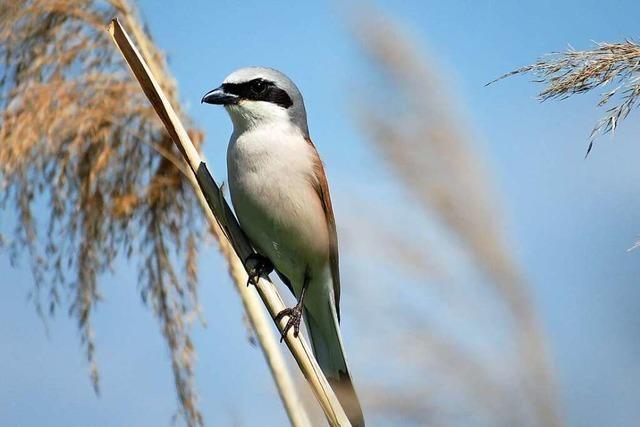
(280, 195)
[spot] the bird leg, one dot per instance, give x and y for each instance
(295, 315)
(257, 266)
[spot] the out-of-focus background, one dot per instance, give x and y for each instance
(485, 272)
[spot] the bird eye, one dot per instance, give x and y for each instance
(258, 87)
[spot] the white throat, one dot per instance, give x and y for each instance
(249, 115)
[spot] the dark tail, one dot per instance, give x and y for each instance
(327, 347)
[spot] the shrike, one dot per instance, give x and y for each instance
(280, 194)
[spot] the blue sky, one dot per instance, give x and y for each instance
(569, 220)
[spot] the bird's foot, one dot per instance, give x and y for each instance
(257, 266)
(295, 316)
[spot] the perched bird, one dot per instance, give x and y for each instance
(281, 198)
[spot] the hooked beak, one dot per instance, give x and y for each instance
(219, 97)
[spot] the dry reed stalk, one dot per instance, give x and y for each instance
(265, 337)
(576, 72)
(425, 147)
(226, 220)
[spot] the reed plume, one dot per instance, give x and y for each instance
(80, 167)
(572, 72)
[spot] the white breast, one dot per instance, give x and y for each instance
(271, 183)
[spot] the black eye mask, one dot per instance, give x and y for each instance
(259, 90)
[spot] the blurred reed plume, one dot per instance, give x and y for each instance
(420, 139)
(79, 167)
(575, 72)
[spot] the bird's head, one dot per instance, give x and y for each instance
(258, 96)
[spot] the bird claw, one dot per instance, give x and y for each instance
(295, 316)
(257, 266)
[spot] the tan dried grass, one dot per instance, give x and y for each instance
(77, 134)
(576, 72)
